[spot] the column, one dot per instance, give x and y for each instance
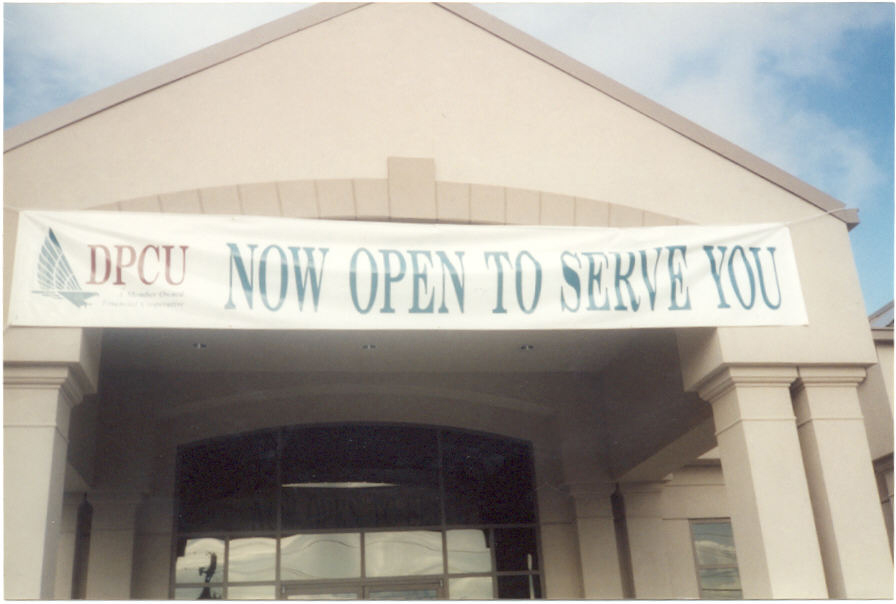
(111, 562)
(646, 537)
(562, 577)
(36, 408)
(152, 548)
(771, 513)
(883, 472)
(598, 551)
(65, 555)
(851, 531)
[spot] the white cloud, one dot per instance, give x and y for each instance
(55, 53)
(732, 69)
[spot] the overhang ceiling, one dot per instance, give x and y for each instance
(367, 351)
(623, 388)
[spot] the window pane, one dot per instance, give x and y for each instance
(487, 480)
(470, 588)
(515, 549)
(320, 556)
(252, 559)
(714, 543)
(339, 507)
(468, 551)
(228, 484)
(334, 595)
(199, 560)
(519, 587)
(716, 594)
(199, 593)
(390, 554)
(719, 579)
(251, 592)
(398, 593)
(360, 476)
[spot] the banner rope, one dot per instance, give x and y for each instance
(817, 216)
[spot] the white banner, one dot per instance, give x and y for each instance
(115, 269)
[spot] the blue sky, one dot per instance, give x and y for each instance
(806, 86)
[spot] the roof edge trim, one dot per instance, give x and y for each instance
(653, 110)
(172, 71)
(882, 334)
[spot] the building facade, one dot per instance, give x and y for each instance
(388, 461)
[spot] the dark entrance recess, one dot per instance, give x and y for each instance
(82, 550)
(356, 511)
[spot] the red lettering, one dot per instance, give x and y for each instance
(119, 261)
(148, 270)
(93, 259)
(141, 261)
(183, 264)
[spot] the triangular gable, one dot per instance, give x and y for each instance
(315, 15)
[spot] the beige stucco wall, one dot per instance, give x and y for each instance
(885, 356)
(883, 344)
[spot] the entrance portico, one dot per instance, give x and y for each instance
(588, 401)
(668, 461)
(158, 404)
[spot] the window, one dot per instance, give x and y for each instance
(354, 511)
(715, 559)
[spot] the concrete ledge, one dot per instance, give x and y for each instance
(30, 349)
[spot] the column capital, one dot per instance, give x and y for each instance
(644, 486)
(829, 376)
(114, 510)
(72, 498)
(592, 499)
(643, 499)
(73, 347)
(827, 393)
(747, 376)
(69, 379)
(598, 489)
(115, 496)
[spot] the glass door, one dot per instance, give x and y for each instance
(380, 590)
(356, 511)
(322, 592)
(404, 591)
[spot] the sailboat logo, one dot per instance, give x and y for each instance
(55, 276)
